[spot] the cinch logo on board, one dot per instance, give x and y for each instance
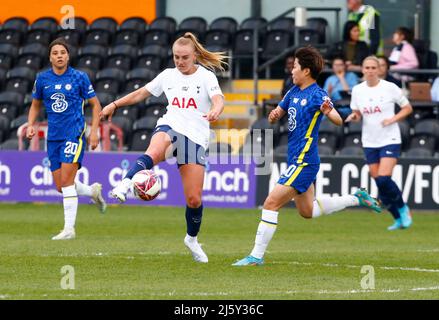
(41, 176)
(5, 174)
(182, 103)
(229, 181)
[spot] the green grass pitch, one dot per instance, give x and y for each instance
(138, 253)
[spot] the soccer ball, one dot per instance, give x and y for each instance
(146, 185)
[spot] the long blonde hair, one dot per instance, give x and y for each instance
(210, 60)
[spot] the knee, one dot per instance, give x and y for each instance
(153, 155)
(65, 182)
(193, 200)
(306, 213)
(271, 204)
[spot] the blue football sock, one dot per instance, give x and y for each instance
(193, 220)
(389, 205)
(397, 194)
(142, 163)
(389, 194)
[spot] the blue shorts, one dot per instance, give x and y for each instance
(299, 176)
(373, 155)
(184, 149)
(66, 151)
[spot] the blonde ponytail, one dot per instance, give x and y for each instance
(210, 60)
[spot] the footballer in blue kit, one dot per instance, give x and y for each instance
(64, 91)
(304, 116)
(64, 98)
(305, 104)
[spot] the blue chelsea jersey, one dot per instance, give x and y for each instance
(304, 117)
(63, 96)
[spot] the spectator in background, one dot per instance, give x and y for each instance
(368, 19)
(340, 81)
(403, 55)
(288, 80)
(352, 49)
(435, 90)
(383, 71)
(339, 86)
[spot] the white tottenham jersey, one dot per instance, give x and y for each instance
(189, 98)
(377, 104)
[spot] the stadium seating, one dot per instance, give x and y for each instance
(167, 24)
(352, 140)
(14, 31)
(126, 124)
(195, 25)
(131, 31)
(78, 24)
(121, 56)
(33, 55)
(140, 140)
(281, 139)
(320, 25)
(325, 150)
(20, 79)
(283, 24)
(281, 150)
(138, 77)
(404, 127)
(145, 123)
(221, 33)
(308, 37)
(91, 57)
(45, 23)
(151, 57)
(352, 151)
(109, 80)
(10, 144)
(8, 53)
(4, 127)
(131, 112)
(276, 41)
(426, 135)
(421, 153)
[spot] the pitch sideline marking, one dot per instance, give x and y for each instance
(336, 265)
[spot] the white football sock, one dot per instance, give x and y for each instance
(70, 201)
(330, 205)
(266, 230)
(191, 239)
(83, 189)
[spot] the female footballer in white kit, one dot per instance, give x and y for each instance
(195, 99)
(373, 101)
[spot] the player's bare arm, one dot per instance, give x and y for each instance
(217, 108)
(355, 116)
(276, 114)
(130, 99)
(93, 139)
(32, 117)
(401, 115)
(329, 111)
